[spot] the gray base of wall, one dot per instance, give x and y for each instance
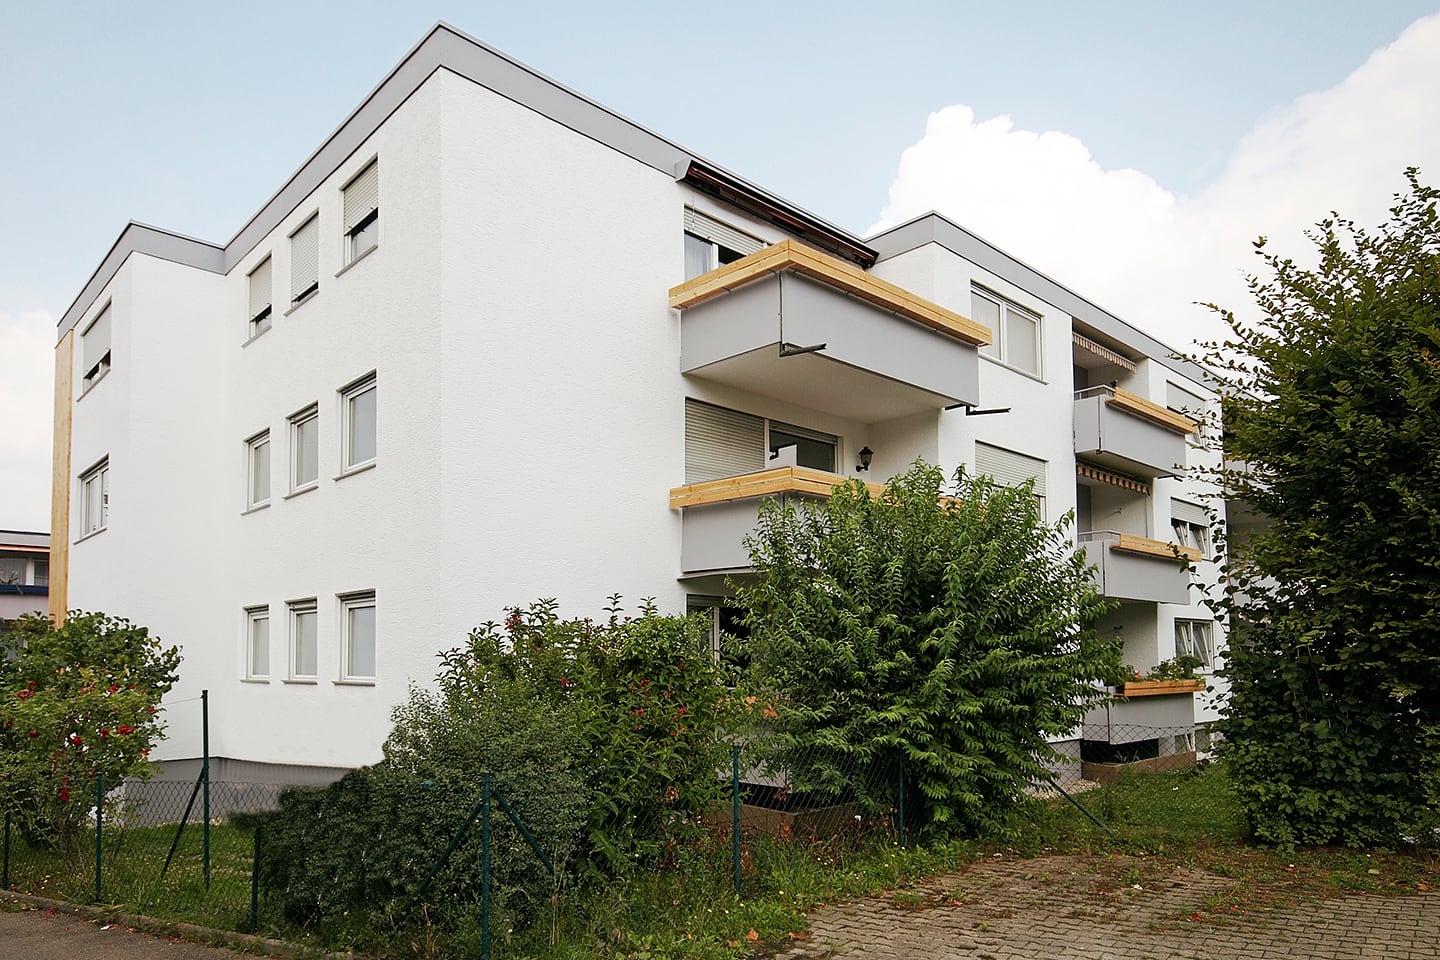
(236, 787)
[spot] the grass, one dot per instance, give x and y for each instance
(1162, 823)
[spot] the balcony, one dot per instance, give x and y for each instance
(720, 514)
(796, 325)
(1127, 567)
(1119, 430)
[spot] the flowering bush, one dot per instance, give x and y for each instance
(75, 702)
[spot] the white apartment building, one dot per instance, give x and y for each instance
(493, 342)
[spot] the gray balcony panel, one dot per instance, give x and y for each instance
(875, 365)
(1116, 438)
(1121, 575)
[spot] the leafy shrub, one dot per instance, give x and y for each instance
(76, 702)
(653, 708)
(945, 628)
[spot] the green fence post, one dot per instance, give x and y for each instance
(255, 885)
(5, 876)
(485, 868)
(735, 813)
(99, 827)
(205, 773)
(900, 806)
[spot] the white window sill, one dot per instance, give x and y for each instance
(92, 533)
(299, 491)
(257, 336)
(255, 680)
(1014, 369)
(345, 269)
(256, 509)
(355, 682)
(85, 392)
(301, 681)
(358, 468)
(297, 304)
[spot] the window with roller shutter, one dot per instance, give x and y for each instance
(362, 212)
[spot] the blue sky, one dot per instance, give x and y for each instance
(1163, 135)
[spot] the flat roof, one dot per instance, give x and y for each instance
(447, 48)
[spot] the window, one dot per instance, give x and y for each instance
(362, 212)
(257, 470)
(95, 349)
(13, 569)
(305, 260)
(725, 443)
(1015, 331)
(303, 640)
(709, 243)
(357, 438)
(1012, 469)
(1194, 638)
(1189, 404)
(95, 498)
(1191, 525)
(260, 298)
(257, 643)
(41, 573)
(724, 621)
(304, 449)
(357, 635)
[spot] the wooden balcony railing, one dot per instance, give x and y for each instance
(1140, 407)
(815, 483)
(1130, 543)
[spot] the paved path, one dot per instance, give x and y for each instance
(1062, 907)
(55, 935)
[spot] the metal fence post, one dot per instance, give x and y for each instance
(735, 812)
(99, 828)
(205, 773)
(900, 806)
(485, 867)
(255, 884)
(5, 875)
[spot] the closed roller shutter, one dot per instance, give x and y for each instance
(260, 289)
(721, 443)
(1009, 468)
(305, 258)
(95, 341)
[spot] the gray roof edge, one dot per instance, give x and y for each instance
(934, 227)
(444, 47)
(141, 238)
(24, 538)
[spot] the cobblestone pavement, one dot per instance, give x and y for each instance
(1063, 907)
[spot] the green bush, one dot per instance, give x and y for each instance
(942, 627)
(351, 855)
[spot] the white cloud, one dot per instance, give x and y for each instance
(27, 375)
(1120, 239)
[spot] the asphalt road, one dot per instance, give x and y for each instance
(32, 934)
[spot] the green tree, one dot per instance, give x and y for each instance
(1332, 732)
(79, 701)
(947, 630)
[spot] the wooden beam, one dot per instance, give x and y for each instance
(842, 276)
(60, 480)
(815, 483)
(1153, 412)
(1130, 543)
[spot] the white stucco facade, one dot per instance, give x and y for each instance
(531, 409)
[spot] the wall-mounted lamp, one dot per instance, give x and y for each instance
(866, 455)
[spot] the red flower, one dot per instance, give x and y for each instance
(104, 732)
(122, 729)
(145, 752)
(24, 695)
(150, 709)
(564, 682)
(113, 688)
(64, 794)
(34, 733)
(75, 739)
(31, 684)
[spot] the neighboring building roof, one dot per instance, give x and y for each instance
(24, 541)
(450, 49)
(936, 228)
